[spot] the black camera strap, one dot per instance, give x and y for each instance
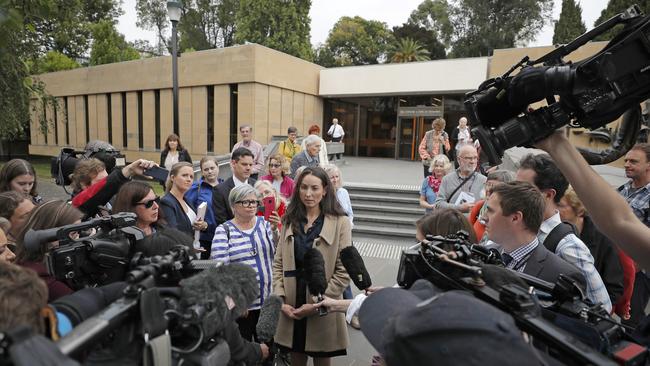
(460, 186)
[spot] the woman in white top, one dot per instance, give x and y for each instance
(178, 212)
(342, 195)
(174, 152)
(322, 155)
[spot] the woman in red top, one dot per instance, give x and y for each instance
(479, 211)
(48, 215)
(279, 176)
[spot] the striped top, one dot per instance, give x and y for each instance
(253, 247)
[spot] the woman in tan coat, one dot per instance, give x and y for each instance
(314, 219)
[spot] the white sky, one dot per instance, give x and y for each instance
(325, 13)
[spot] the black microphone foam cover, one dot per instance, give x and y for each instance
(314, 270)
(353, 263)
(497, 276)
(269, 317)
(87, 302)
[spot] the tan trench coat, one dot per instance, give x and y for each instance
(328, 333)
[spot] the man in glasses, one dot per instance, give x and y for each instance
(462, 188)
(241, 164)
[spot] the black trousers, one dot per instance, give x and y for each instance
(639, 301)
(337, 139)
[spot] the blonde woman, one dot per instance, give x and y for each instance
(279, 175)
(435, 142)
(438, 168)
(179, 213)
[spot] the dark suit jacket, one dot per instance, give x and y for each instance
(220, 205)
(547, 266)
(174, 214)
(183, 155)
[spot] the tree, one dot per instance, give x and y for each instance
(570, 24)
(152, 15)
(476, 27)
(614, 7)
(357, 41)
(109, 45)
(52, 61)
(407, 50)
(426, 38)
(433, 16)
(281, 25)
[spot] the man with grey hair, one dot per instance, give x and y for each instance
(246, 132)
(336, 133)
(462, 188)
(308, 157)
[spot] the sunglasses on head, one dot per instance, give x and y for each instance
(149, 204)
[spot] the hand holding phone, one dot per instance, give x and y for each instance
(157, 173)
(269, 206)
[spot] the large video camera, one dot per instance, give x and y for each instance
(556, 315)
(592, 92)
(62, 166)
(90, 253)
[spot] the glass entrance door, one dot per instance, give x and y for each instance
(411, 130)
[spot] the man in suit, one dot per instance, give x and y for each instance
(515, 213)
(241, 164)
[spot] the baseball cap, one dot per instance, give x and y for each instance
(423, 326)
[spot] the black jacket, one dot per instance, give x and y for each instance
(183, 155)
(174, 214)
(606, 259)
(547, 266)
(220, 205)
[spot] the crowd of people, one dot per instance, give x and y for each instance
(273, 210)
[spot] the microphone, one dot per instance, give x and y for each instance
(269, 317)
(218, 291)
(315, 275)
(87, 302)
(353, 263)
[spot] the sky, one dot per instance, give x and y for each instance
(325, 13)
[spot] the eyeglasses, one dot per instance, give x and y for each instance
(469, 158)
(149, 204)
(248, 203)
(275, 165)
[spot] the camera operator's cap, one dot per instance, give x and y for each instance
(446, 328)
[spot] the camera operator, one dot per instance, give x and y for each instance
(23, 295)
(609, 210)
(95, 187)
(48, 215)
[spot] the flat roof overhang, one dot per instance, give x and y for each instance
(453, 76)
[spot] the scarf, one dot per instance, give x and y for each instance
(434, 183)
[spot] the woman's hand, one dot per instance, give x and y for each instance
(137, 167)
(200, 225)
(288, 311)
(305, 311)
(274, 219)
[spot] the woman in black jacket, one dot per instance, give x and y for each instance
(179, 213)
(173, 153)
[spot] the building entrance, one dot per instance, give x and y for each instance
(412, 124)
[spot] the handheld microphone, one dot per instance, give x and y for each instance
(269, 317)
(353, 263)
(315, 276)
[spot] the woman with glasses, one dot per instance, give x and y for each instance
(279, 176)
(314, 219)
(201, 191)
(139, 198)
(247, 239)
(180, 213)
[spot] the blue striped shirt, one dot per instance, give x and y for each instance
(255, 249)
(638, 199)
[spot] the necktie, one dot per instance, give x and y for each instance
(507, 259)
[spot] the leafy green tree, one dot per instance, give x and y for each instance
(357, 41)
(433, 16)
(428, 40)
(152, 15)
(52, 61)
(407, 50)
(109, 45)
(281, 25)
(570, 24)
(614, 7)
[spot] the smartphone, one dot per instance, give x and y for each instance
(269, 206)
(157, 173)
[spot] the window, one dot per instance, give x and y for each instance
(140, 122)
(233, 115)
(157, 117)
(67, 126)
(210, 118)
(109, 107)
(124, 131)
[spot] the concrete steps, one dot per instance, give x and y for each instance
(385, 212)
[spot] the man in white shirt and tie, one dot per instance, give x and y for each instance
(336, 132)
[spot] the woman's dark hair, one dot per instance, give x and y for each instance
(130, 194)
(329, 205)
(173, 137)
(14, 168)
(162, 241)
(445, 221)
(9, 201)
(48, 215)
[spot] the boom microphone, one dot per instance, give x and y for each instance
(315, 276)
(353, 263)
(269, 317)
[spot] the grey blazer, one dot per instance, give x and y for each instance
(547, 266)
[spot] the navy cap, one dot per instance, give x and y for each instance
(425, 326)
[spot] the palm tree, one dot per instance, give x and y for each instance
(407, 50)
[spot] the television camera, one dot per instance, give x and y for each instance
(592, 92)
(557, 316)
(62, 166)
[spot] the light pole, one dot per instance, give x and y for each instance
(174, 12)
